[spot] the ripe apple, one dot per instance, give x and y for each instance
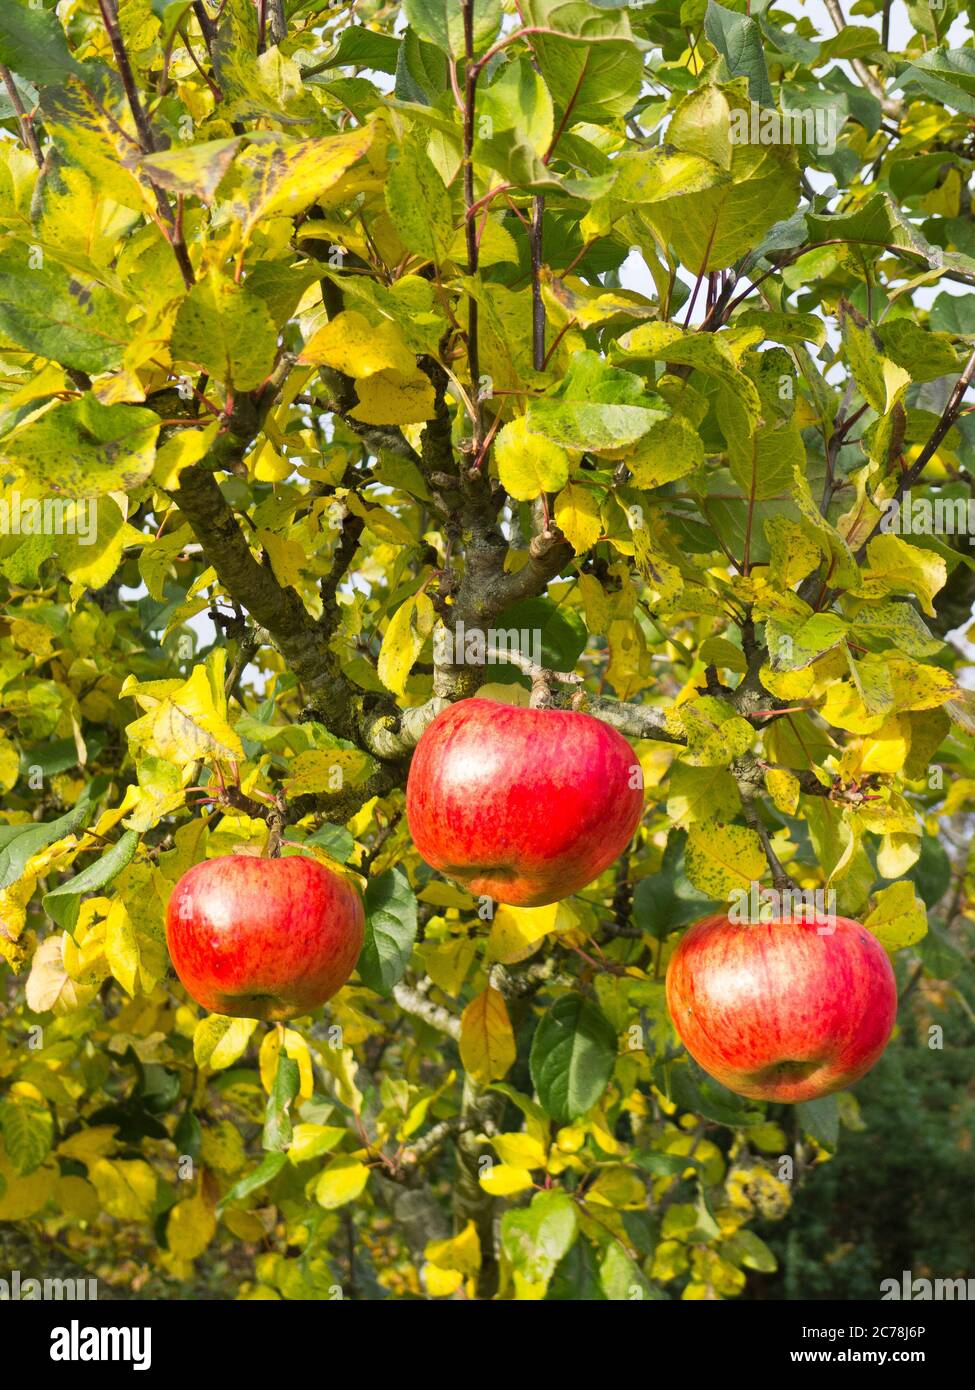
(522, 805)
(785, 1010)
(263, 938)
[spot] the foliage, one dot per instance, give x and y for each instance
(316, 314)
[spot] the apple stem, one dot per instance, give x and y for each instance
(275, 823)
(781, 881)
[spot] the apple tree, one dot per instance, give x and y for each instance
(338, 342)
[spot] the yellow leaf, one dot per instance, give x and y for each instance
(219, 1041)
(501, 1180)
(122, 947)
(719, 858)
(9, 764)
(408, 629)
(77, 1199)
(351, 344)
(895, 566)
(487, 1043)
(126, 1188)
(186, 447)
(342, 1181)
(461, 1252)
(577, 517)
(297, 1049)
(670, 450)
(89, 1145)
(783, 788)
(311, 1141)
(795, 553)
(326, 770)
(447, 962)
(390, 398)
(190, 1228)
(618, 1187)
(341, 1063)
(441, 1283)
(516, 931)
(899, 917)
(519, 1150)
(887, 750)
(287, 557)
(22, 1197)
(190, 723)
(529, 464)
(49, 986)
(222, 1147)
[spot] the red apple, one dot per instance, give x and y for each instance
(263, 938)
(522, 805)
(786, 1010)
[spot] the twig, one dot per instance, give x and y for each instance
(147, 142)
(24, 121)
(538, 305)
(470, 95)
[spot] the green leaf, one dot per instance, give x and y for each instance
(362, 47)
(28, 1134)
(391, 920)
(622, 1280)
(537, 1237)
(84, 449)
(228, 332)
(32, 43)
(745, 1248)
(739, 41)
(716, 226)
(67, 318)
(19, 843)
(266, 1171)
(63, 902)
(572, 1057)
(557, 629)
(515, 125)
(278, 1127)
(666, 900)
(821, 1119)
(881, 381)
(592, 67)
(419, 204)
(947, 75)
(441, 22)
(598, 408)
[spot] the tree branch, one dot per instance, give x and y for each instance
(412, 1001)
(147, 141)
